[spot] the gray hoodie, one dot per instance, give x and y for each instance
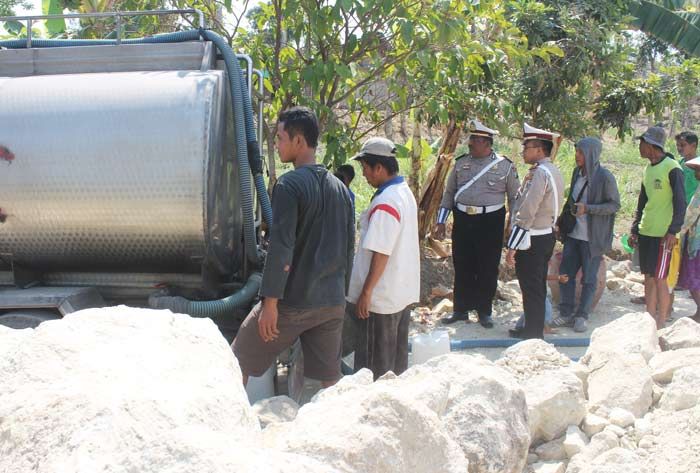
(603, 197)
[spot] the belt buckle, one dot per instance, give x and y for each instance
(471, 210)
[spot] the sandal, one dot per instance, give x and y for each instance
(562, 322)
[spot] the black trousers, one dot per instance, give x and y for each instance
(477, 241)
(531, 269)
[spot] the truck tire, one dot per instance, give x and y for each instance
(27, 318)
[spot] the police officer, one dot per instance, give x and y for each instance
(533, 216)
(476, 191)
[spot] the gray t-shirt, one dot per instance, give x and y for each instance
(580, 231)
(312, 240)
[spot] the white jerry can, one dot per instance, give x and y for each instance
(429, 345)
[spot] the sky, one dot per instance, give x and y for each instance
(35, 8)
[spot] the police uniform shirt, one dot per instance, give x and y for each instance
(537, 203)
(488, 190)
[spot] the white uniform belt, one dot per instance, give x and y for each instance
(540, 231)
(478, 209)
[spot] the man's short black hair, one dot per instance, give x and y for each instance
(688, 136)
(302, 120)
(345, 173)
(389, 163)
(546, 146)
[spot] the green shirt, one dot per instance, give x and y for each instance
(658, 211)
(689, 179)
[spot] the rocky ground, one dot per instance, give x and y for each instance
(123, 389)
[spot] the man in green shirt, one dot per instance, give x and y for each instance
(660, 213)
(687, 146)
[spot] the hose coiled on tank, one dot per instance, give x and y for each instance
(254, 158)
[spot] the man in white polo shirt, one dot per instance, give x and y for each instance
(385, 277)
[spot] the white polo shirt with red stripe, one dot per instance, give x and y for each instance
(389, 226)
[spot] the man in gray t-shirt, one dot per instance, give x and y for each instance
(308, 264)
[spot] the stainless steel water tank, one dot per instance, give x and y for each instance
(126, 171)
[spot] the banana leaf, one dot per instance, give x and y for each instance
(677, 29)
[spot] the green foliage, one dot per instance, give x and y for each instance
(7, 7)
(558, 93)
(679, 29)
(11, 29)
(627, 95)
(358, 62)
(53, 7)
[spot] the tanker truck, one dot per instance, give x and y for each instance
(130, 173)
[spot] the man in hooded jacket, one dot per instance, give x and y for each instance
(594, 200)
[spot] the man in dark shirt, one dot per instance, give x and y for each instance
(660, 214)
(308, 264)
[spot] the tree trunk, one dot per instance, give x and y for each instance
(389, 125)
(271, 165)
(434, 184)
(402, 127)
(416, 151)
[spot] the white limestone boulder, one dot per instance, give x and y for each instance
(11, 340)
(618, 460)
(621, 269)
(592, 424)
(581, 371)
(123, 389)
(547, 467)
(509, 292)
(574, 441)
(552, 451)
(373, 429)
(674, 444)
(642, 427)
(632, 333)
(423, 385)
(622, 381)
(485, 413)
(684, 390)
(615, 283)
(555, 400)
(599, 444)
(621, 417)
(275, 409)
(554, 394)
(684, 333)
(665, 364)
(359, 380)
(532, 357)
(615, 429)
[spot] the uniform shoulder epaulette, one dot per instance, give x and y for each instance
(503, 156)
(461, 156)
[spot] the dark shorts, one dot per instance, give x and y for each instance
(319, 331)
(653, 261)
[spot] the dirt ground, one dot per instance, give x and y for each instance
(438, 271)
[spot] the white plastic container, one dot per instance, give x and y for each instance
(429, 345)
(261, 387)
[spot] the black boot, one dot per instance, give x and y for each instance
(486, 321)
(455, 317)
